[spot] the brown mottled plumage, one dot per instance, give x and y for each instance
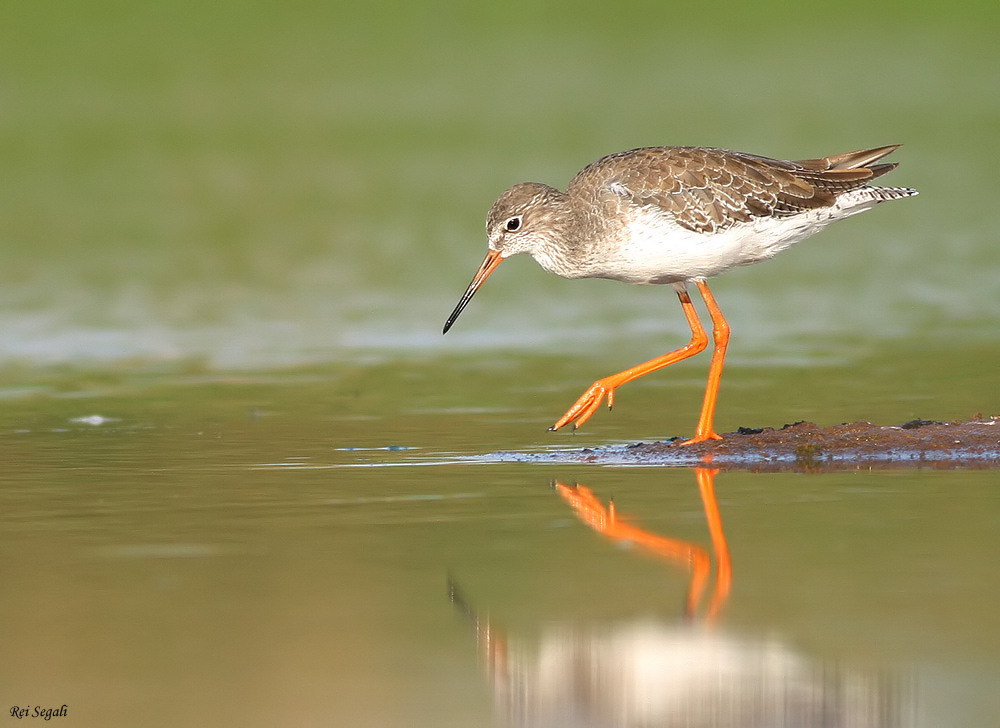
(707, 190)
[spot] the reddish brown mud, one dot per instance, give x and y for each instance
(805, 446)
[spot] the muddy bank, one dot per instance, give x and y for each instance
(806, 446)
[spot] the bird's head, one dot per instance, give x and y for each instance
(525, 219)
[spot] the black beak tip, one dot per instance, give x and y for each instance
(455, 313)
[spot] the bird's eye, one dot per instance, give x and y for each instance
(513, 224)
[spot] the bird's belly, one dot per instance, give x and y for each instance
(657, 250)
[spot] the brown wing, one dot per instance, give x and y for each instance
(707, 190)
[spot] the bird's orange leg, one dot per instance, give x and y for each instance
(590, 400)
(704, 431)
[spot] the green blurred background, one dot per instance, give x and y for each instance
(275, 184)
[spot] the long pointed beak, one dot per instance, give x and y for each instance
(492, 260)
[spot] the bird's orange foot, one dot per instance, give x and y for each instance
(587, 405)
(702, 437)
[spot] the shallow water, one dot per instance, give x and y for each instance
(210, 549)
(243, 479)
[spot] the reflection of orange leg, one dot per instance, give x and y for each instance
(720, 334)
(590, 400)
(724, 567)
(605, 521)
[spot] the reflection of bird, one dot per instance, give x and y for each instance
(649, 672)
(676, 215)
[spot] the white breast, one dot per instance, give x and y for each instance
(655, 249)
